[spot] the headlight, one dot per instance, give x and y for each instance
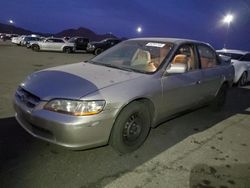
(75, 108)
(91, 46)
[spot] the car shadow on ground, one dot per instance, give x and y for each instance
(26, 161)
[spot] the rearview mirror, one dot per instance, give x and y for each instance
(176, 68)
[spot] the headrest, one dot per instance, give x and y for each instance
(180, 58)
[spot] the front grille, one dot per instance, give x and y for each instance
(27, 98)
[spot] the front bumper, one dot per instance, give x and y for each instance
(65, 130)
(90, 49)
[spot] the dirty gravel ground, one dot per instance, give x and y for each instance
(198, 149)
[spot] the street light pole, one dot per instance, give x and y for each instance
(11, 22)
(227, 20)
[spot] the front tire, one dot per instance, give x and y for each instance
(131, 128)
(67, 50)
(243, 79)
(220, 99)
(35, 48)
(98, 51)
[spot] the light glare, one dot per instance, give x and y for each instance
(228, 18)
(139, 29)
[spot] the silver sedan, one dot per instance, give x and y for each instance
(120, 94)
(53, 44)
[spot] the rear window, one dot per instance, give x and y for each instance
(232, 55)
(207, 57)
(246, 57)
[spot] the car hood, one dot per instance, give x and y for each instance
(74, 81)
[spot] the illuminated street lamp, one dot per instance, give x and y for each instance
(110, 34)
(11, 21)
(227, 20)
(139, 29)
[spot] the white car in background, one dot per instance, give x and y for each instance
(27, 39)
(241, 62)
(18, 40)
(53, 44)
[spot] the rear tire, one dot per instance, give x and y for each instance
(131, 128)
(220, 99)
(35, 48)
(243, 79)
(67, 50)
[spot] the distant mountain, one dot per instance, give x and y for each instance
(4, 28)
(81, 32)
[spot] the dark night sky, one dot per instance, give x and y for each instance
(194, 19)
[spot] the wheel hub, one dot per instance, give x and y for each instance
(132, 129)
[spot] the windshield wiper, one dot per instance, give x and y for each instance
(118, 67)
(93, 62)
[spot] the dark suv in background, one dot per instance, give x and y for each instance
(80, 42)
(98, 47)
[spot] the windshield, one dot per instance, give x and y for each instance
(72, 40)
(139, 56)
(232, 55)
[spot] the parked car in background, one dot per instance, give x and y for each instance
(17, 40)
(28, 39)
(120, 94)
(98, 47)
(53, 44)
(66, 38)
(29, 44)
(241, 62)
(4, 37)
(81, 43)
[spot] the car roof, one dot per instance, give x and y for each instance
(172, 40)
(54, 38)
(111, 39)
(78, 37)
(232, 51)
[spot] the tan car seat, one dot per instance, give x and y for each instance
(141, 57)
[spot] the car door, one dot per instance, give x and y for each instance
(45, 44)
(212, 71)
(246, 59)
(182, 91)
(80, 44)
(106, 44)
(57, 44)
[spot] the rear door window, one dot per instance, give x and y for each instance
(207, 57)
(58, 40)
